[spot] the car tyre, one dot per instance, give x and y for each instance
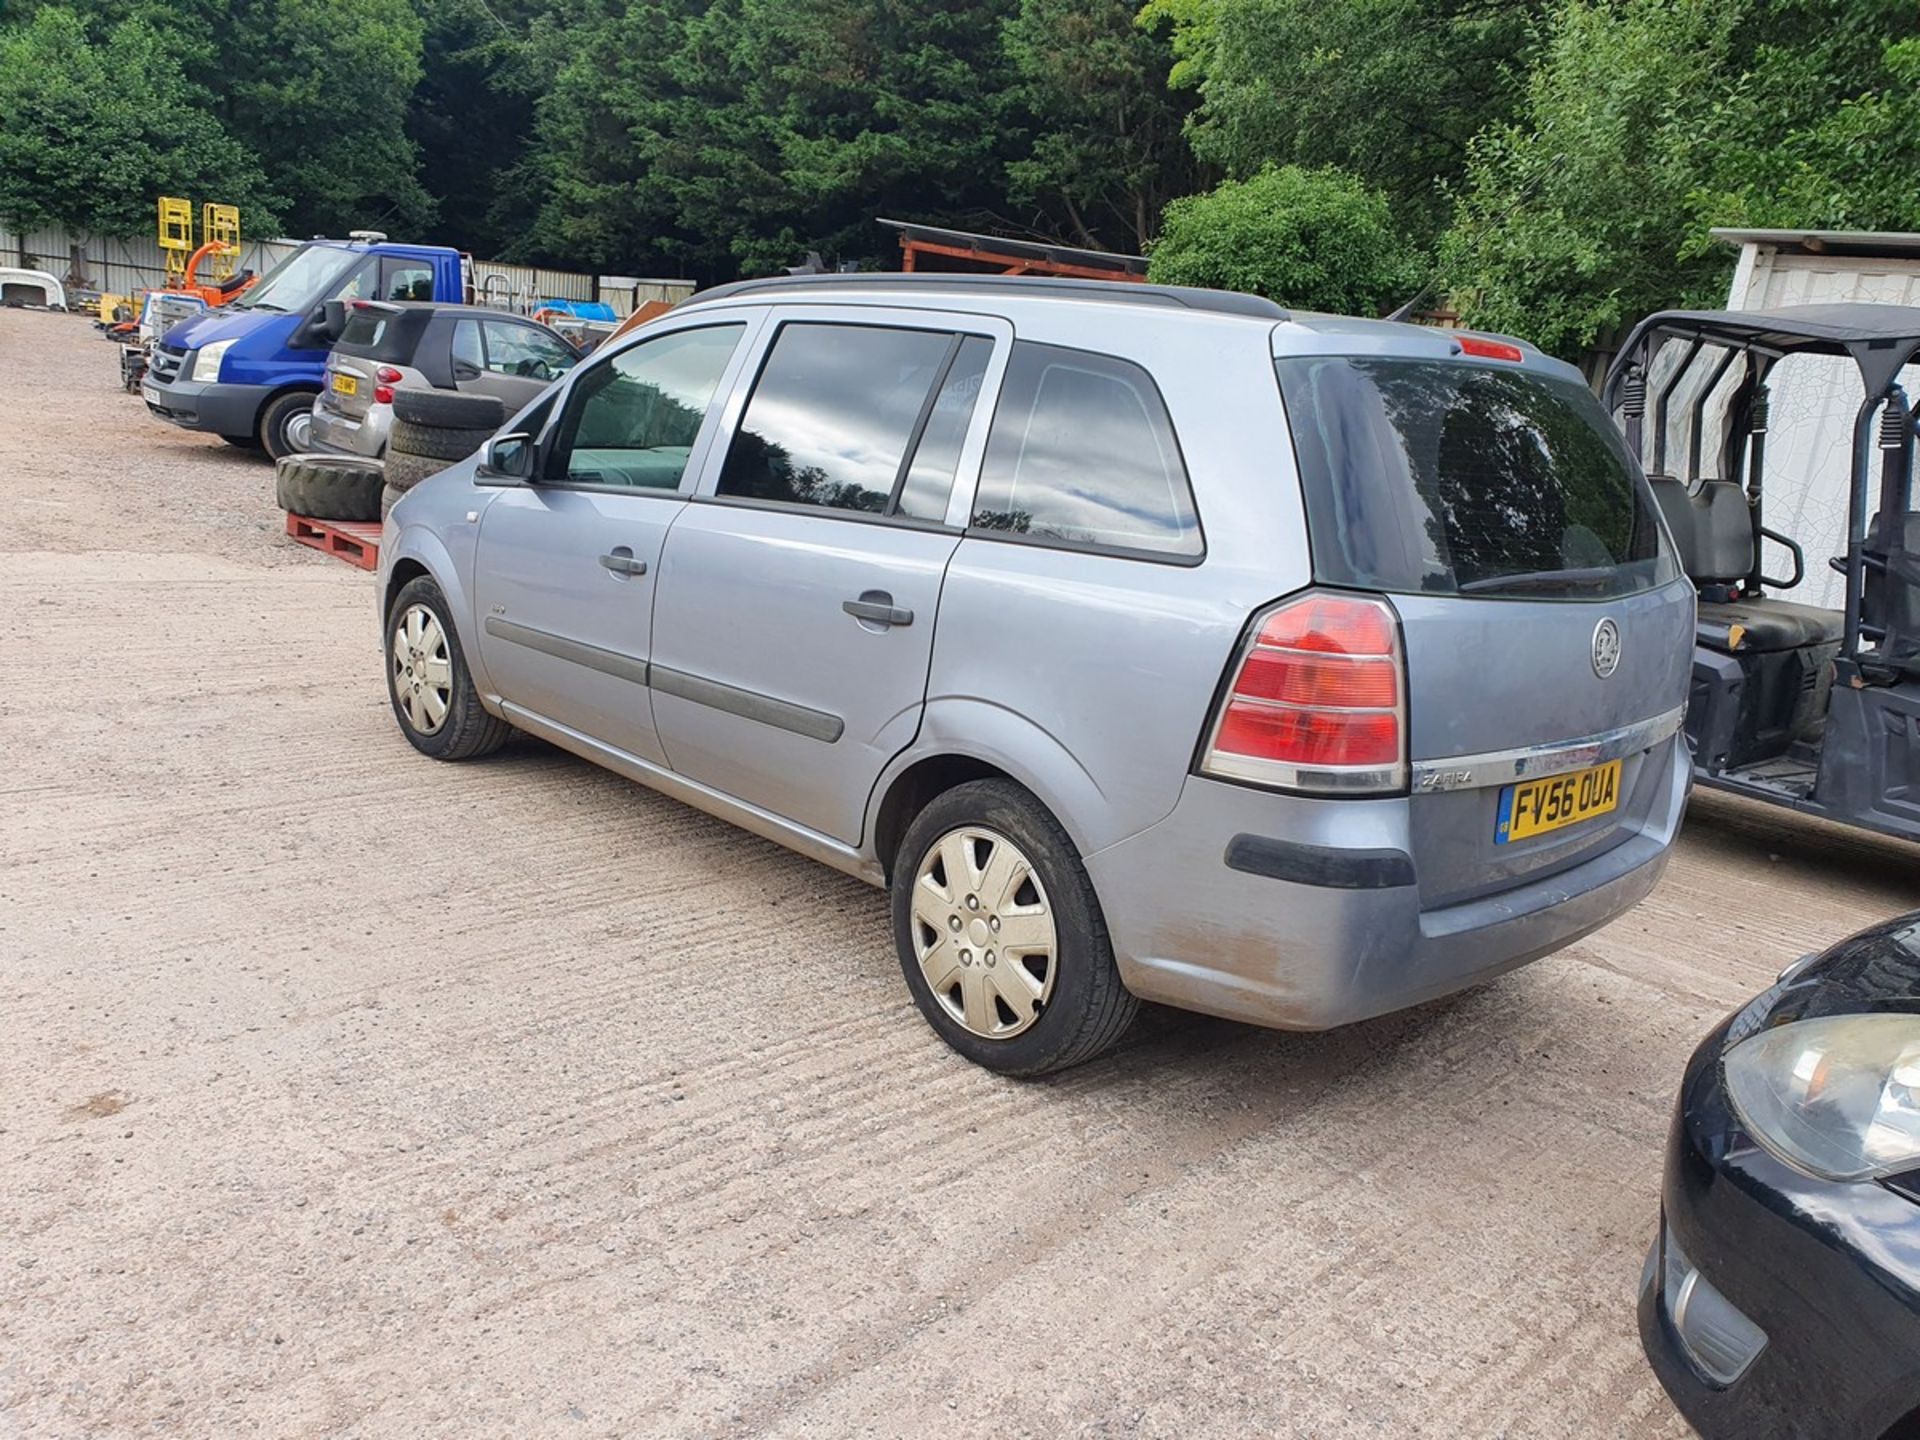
(406, 471)
(281, 421)
(449, 409)
(428, 682)
(435, 441)
(328, 487)
(1000, 935)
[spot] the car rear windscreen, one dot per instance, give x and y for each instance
(377, 333)
(1443, 477)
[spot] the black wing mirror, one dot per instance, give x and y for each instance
(333, 319)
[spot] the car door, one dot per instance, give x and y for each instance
(566, 564)
(794, 617)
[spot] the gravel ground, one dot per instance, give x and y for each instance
(342, 1093)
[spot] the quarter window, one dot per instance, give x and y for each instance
(1082, 452)
(634, 417)
(833, 414)
(468, 358)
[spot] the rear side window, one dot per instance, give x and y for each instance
(468, 358)
(1082, 453)
(929, 479)
(1442, 477)
(832, 415)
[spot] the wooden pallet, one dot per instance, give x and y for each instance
(354, 541)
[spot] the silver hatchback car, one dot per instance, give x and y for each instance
(1148, 644)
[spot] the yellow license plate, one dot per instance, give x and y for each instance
(1534, 807)
(346, 385)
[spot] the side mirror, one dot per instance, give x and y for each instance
(333, 318)
(508, 456)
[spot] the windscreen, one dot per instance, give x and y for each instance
(1442, 477)
(298, 282)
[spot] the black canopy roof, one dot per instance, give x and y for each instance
(1878, 338)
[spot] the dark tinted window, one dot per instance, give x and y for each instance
(365, 329)
(467, 353)
(634, 417)
(832, 414)
(1082, 452)
(930, 477)
(1445, 477)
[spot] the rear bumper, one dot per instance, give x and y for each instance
(1325, 926)
(1823, 1270)
(214, 407)
(343, 435)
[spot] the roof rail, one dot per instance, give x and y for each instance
(1223, 302)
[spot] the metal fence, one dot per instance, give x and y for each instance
(120, 267)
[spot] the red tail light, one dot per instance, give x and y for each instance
(388, 378)
(1317, 701)
(1488, 349)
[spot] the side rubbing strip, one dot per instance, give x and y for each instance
(610, 662)
(782, 714)
(1320, 865)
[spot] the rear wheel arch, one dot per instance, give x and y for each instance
(916, 787)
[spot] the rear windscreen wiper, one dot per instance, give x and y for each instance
(1541, 580)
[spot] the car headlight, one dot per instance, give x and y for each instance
(206, 360)
(1838, 1097)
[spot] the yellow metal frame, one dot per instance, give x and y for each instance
(221, 225)
(176, 234)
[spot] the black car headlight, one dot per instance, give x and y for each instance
(1837, 1097)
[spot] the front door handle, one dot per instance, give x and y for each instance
(621, 562)
(877, 607)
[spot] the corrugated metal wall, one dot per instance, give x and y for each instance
(123, 266)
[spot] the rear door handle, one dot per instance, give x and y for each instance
(621, 562)
(877, 606)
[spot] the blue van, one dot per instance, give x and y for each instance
(248, 371)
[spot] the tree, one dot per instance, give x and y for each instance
(1312, 239)
(1391, 90)
(1649, 122)
(92, 130)
(1095, 124)
(320, 89)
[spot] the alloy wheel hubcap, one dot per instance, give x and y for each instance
(983, 932)
(422, 670)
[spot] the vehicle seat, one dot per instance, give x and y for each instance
(1891, 602)
(1772, 688)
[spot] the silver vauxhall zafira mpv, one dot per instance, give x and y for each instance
(1146, 644)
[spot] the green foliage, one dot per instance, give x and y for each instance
(321, 90)
(1312, 239)
(1096, 125)
(93, 129)
(1649, 122)
(1574, 218)
(1392, 90)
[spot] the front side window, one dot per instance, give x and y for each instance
(1082, 453)
(634, 417)
(833, 414)
(524, 352)
(1445, 477)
